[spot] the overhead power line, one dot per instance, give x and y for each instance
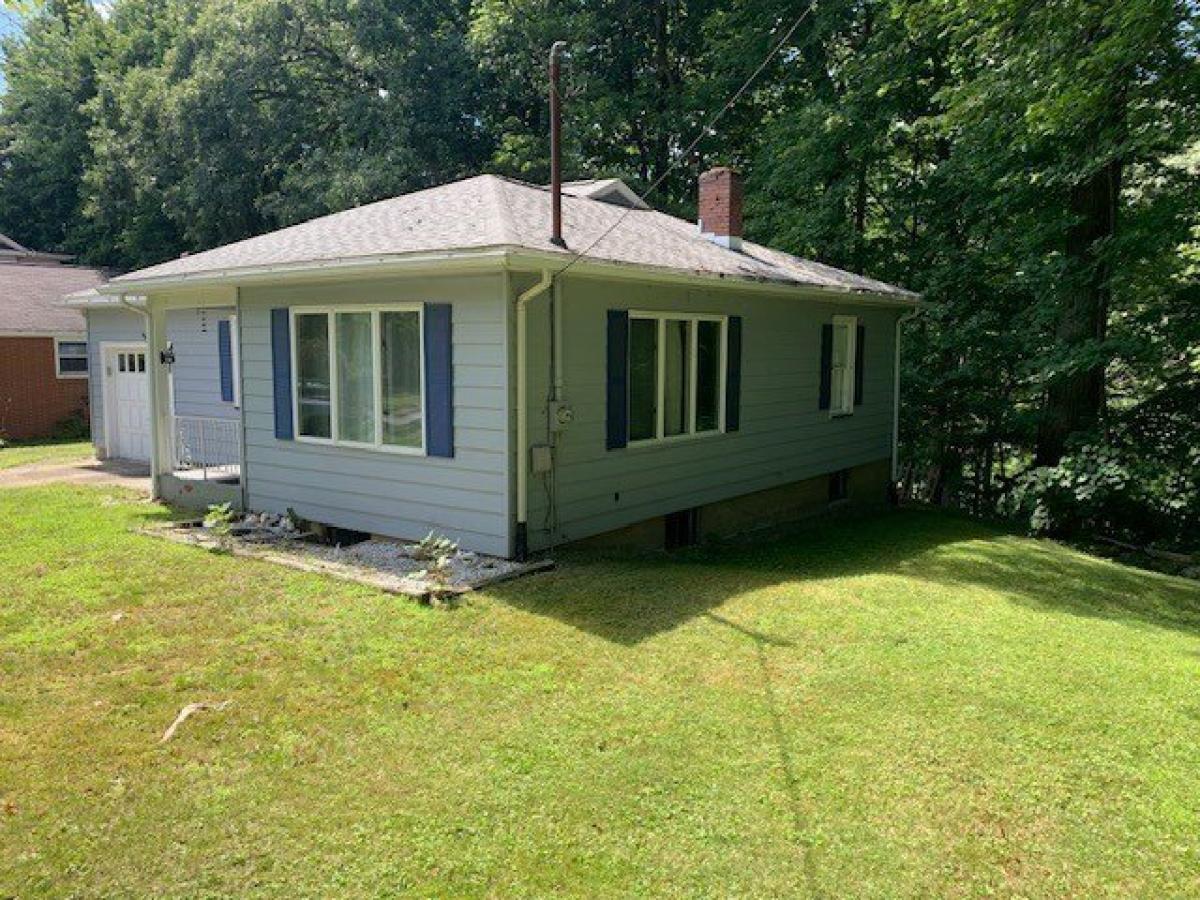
(728, 105)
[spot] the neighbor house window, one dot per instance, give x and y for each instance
(358, 376)
(71, 358)
(676, 375)
(841, 376)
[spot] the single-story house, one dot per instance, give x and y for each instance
(43, 354)
(437, 362)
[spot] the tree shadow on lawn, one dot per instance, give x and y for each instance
(629, 597)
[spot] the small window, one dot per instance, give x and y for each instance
(841, 380)
(643, 379)
(839, 485)
(708, 375)
(71, 359)
(400, 358)
(355, 378)
(681, 529)
(314, 387)
(676, 376)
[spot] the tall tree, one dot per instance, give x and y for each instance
(1080, 101)
(632, 79)
(44, 149)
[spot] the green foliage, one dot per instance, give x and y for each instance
(434, 546)
(50, 72)
(1032, 169)
(72, 428)
(218, 521)
(220, 517)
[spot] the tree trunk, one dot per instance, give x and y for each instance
(1075, 400)
(860, 218)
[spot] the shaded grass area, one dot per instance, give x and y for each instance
(24, 454)
(902, 706)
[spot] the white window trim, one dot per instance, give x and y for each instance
(331, 312)
(693, 370)
(58, 372)
(847, 408)
(235, 359)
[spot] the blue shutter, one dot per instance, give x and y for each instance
(826, 365)
(733, 375)
(617, 392)
(859, 356)
(281, 369)
(225, 357)
(439, 381)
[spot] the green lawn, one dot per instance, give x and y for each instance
(14, 455)
(905, 706)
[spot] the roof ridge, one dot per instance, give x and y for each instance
(508, 222)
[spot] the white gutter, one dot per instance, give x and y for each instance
(896, 398)
(510, 257)
(523, 411)
(374, 266)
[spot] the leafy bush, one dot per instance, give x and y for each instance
(1117, 491)
(219, 522)
(72, 428)
(434, 547)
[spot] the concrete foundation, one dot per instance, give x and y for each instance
(191, 493)
(867, 487)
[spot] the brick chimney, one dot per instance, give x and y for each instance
(721, 207)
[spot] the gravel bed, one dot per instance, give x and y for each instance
(466, 569)
(390, 565)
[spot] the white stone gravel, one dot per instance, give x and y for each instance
(392, 565)
(392, 557)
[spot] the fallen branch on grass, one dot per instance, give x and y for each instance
(187, 712)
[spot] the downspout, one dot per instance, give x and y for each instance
(241, 396)
(896, 399)
(521, 550)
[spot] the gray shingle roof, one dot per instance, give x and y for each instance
(489, 211)
(29, 296)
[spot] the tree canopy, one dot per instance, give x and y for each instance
(1030, 167)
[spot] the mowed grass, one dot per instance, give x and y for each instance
(909, 705)
(24, 454)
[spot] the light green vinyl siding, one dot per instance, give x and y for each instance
(195, 377)
(405, 496)
(783, 437)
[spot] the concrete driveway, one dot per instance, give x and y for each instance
(118, 472)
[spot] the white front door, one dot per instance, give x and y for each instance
(129, 404)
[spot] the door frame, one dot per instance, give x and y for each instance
(107, 349)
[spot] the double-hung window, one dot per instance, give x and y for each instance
(842, 364)
(357, 376)
(676, 375)
(70, 358)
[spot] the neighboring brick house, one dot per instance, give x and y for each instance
(43, 346)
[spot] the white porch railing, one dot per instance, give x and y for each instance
(210, 447)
